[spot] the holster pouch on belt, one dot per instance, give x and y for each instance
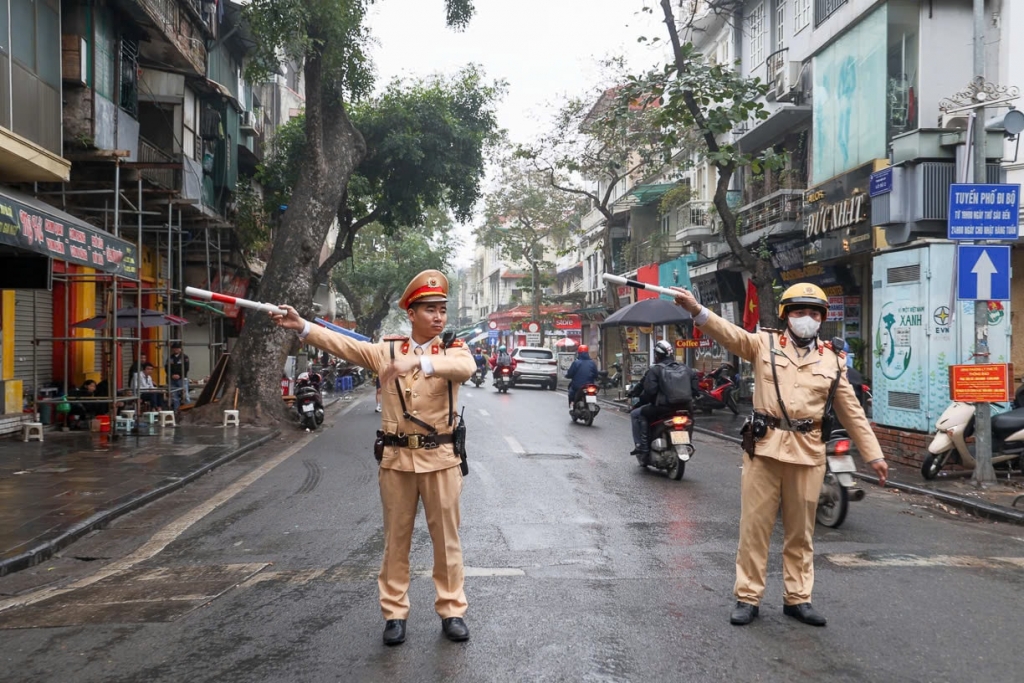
(378, 446)
(748, 442)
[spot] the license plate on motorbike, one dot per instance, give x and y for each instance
(679, 438)
(308, 408)
(842, 463)
(591, 399)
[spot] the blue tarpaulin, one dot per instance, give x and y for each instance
(342, 330)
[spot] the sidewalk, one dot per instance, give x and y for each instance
(952, 488)
(54, 492)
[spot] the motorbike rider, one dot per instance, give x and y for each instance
(784, 454)
(654, 403)
(582, 372)
(481, 361)
(502, 360)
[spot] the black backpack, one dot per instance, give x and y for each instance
(674, 385)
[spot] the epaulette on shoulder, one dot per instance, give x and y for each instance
(828, 345)
(457, 344)
(394, 337)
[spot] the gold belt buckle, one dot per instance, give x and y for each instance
(415, 441)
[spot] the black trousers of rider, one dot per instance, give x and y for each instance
(650, 413)
(574, 395)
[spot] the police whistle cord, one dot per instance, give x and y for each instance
(207, 295)
(636, 284)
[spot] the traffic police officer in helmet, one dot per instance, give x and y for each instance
(795, 372)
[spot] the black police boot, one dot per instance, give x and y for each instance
(455, 629)
(804, 613)
(743, 614)
(394, 632)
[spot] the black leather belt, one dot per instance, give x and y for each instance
(417, 441)
(801, 426)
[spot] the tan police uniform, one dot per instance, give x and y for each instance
(412, 473)
(789, 466)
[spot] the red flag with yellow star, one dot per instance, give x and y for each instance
(752, 309)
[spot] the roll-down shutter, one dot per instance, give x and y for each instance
(27, 327)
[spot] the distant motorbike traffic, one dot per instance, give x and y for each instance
(838, 488)
(309, 403)
(671, 446)
(503, 379)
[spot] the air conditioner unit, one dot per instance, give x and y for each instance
(786, 81)
(958, 120)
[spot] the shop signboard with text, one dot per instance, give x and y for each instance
(837, 216)
(985, 383)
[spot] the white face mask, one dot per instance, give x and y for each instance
(804, 326)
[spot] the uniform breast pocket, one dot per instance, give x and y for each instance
(782, 366)
(821, 380)
(435, 386)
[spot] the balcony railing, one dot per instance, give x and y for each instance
(695, 220)
(149, 153)
(823, 9)
(655, 250)
(782, 206)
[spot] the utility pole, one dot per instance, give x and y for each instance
(983, 470)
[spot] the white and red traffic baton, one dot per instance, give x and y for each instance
(207, 295)
(636, 284)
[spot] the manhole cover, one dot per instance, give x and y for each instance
(551, 456)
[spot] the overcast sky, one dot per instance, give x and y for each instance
(545, 50)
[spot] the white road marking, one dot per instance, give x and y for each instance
(854, 560)
(484, 413)
(169, 533)
(514, 445)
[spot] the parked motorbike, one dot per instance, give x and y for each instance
(606, 381)
(478, 377)
(716, 390)
(670, 444)
(861, 388)
(839, 486)
(585, 408)
(956, 425)
(503, 380)
(309, 402)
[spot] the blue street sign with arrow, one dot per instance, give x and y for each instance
(983, 273)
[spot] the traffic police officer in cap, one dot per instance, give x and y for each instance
(787, 464)
(420, 381)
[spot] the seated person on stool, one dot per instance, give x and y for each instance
(83, 411)
(142, 386)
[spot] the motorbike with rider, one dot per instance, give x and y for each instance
(481, 366)
(664, 391)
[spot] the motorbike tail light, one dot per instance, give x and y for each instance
(504, 371)
(841, 447)
(591, 389)
(680, 422)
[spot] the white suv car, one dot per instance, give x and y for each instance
(535, 365)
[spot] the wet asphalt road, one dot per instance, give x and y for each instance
(580, 567)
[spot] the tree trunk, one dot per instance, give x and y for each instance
(370, 321)
(335, 148)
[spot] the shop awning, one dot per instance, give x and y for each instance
(32, 225)
(642, 195)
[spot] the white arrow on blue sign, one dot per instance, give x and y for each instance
(983, 273)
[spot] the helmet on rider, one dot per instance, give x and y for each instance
(501, 349)
(662, 349)
(796, 308)
(583, 349)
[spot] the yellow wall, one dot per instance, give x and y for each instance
(1017, 312)
(7, 331)
(83, 354)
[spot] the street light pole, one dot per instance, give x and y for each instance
(983, 470)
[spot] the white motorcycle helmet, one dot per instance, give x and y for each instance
(663, 349)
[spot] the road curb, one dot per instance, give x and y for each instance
(977, 507)
(47, 549)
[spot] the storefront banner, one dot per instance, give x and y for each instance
(25, 226)
(836, 308)
(567, 322)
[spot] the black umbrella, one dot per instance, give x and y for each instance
(648, 312)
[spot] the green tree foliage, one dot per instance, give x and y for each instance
(691, 96)
(528, 219)
(382, 263)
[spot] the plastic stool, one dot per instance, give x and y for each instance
(130, 414)
(150, 417)
(166, 417)
(123, 423)
(32, 431)
(230, 418)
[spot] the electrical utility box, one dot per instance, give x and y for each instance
(919, 329)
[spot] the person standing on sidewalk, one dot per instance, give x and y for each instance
(795, 373)
(420, 381)
(177, 374)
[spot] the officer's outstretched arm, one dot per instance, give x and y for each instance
(744, 344)
(852, 417)
(364, 354)
(456, 364)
